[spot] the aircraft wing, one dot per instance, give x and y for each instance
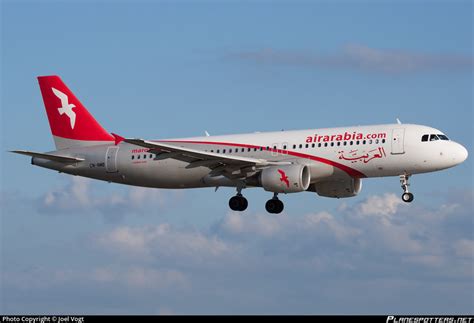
(220, 164)
(57, 158)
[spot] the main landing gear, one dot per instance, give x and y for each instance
(274, 205)
(238, 202)
(406, 196)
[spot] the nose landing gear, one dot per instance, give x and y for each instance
(406, 196)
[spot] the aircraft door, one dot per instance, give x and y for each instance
(111, 160)
(398, 137)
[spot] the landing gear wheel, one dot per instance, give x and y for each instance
(407, 197)
(238, 203)
(274, 206)
(244, 204)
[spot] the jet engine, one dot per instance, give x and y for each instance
(337, 188)
(285, 179)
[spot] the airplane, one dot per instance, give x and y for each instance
(330, 162)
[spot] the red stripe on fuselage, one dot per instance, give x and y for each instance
(350, 171)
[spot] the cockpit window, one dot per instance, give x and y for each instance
(443, 137)
(433, 137)
(425, 138)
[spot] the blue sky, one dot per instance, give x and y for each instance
(170, 69)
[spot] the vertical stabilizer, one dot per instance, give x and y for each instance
(71, 124)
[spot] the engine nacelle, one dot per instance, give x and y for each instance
(338, 188)
(285, 179)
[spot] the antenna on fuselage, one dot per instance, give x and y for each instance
(398, 121)
(207, 133)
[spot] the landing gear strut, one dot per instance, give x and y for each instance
(274, 205)
(238, 202)
(406, 196)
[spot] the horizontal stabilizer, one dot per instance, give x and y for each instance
(56, 158)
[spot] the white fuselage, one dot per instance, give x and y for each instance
(331, 153)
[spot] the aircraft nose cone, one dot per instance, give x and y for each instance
(462, 154)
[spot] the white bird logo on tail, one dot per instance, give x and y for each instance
(66, 107)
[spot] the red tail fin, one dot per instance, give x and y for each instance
(70, 122)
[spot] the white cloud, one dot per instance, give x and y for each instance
(79, 195)
(325, 222)
(375, 245)
(464, 248)
(74, 195)
(141, 277)
(258, 224)
(159, 241)
(362, 58)
(379, 205)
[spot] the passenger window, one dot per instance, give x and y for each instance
(357, 142)
(138, 157)
(332, 144)
(248, 150)
(230, 151)
(307, 146)
(376, 141)
(243, 149)
(133, 157)
(144, 156)
(255, 149)
(319, 145)
(325, 144)
(223, 151)
(433, 137)
(383, 141)
(312, 145)
(351, 143)
(218, 151)
(370, 142)
(301, 146)
(338, 143)
(261, 148)
(151, 156)
(345, 143)
(363, 142)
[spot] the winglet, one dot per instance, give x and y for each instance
(118, 139)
